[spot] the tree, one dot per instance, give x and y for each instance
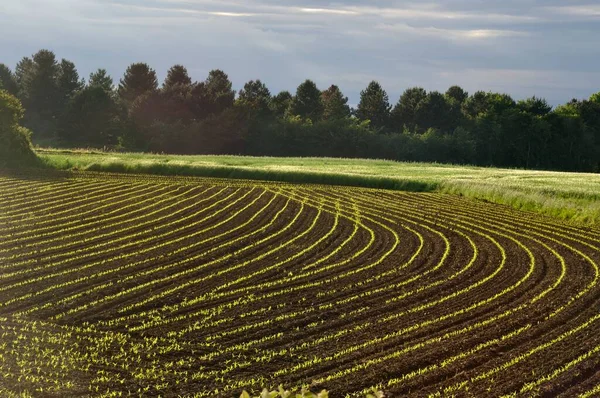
(535, 106)
(435, 111)
(335, 105)
(476, 104)
(40, 93)
(219, 89)
(281, 103)
(68, 80)
(102, 79)
(177, 75)
(93, 118)
(595, 98)
(200, 102)
(255, 96)
(15, 140)
(139, 79)
(457, 94)
(23, 74)
(167, 106)
(499, 103)
(307, 102)
(374, 105)
(404, 113)
(8, 80)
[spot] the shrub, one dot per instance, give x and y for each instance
(15, 140)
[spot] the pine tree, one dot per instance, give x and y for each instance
(335, 105)
(307, 102)
(8, 80)
(139, 79)
(374, 105)
(102, 79)
(177, 75)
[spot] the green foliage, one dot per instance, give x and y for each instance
(93, 117)
(457, 94)
(15, 140)
(435, 111)
(39, 90)
(307, 102)
(139, 79)
(283, 393)
(177, 75)
(256, 97)
(404, 113)
(484, 128)
(335, 105)
(8, 80)
(374, 105)
(535, 106)
(68, 80)
(102, 79)
(281, 103)
(220, 93)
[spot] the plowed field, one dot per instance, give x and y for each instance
(120, 285)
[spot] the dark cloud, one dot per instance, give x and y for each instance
(534, 47)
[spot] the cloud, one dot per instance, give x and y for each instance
(451, 34)
(588, 11)
(328, 11)
(503, 45)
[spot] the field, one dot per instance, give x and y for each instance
(132, 285)
(569, 196)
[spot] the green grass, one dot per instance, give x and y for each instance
(570, 196)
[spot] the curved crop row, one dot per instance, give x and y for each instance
(115, 285)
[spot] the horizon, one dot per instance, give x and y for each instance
(543, 49)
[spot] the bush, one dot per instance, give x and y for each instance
(15, 140)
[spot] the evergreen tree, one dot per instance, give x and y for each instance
(457, 94)
(255, 96)
(335, 105)
(40, 92)
(374, 105)
(101, 78)
(219, 90)
(307, 102)
(68, 80)
(139, 79)
(405, 111)
(23, 74)
(436, 111)
(281, 103)
(93, 117)
(535, 106)
(177, 75)
(476, 104)
(8, 80)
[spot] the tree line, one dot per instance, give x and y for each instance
(209, 117)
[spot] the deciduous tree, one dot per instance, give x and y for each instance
(15, 140)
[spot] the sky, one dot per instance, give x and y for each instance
(546, 48)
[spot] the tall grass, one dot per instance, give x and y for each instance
(572, 197)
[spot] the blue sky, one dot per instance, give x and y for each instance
(546, 48)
